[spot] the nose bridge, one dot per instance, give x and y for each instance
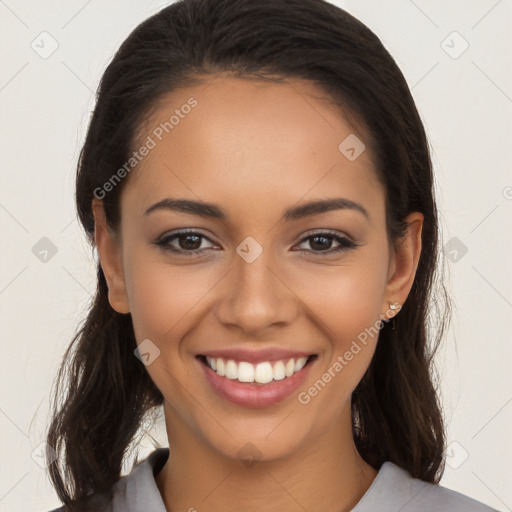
(256, 297)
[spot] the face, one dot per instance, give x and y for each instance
(257, 278)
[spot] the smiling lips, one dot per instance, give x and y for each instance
(255, 378)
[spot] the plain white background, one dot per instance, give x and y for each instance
(462, 84)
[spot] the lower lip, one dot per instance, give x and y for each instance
(250, 394)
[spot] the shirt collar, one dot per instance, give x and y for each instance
(138, 490)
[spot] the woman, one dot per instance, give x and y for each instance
(258, 185)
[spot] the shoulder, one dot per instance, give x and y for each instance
(134, 492)
(99, 502)
(395, 489)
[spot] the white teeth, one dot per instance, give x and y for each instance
(231, 370)
(289, 368)
(300, 363)
(279, 372)
(220, 367)
(262, 373)
(245, 372)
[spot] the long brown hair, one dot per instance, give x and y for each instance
(102, 392)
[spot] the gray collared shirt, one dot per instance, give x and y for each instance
(393, 490)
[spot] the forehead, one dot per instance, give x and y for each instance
(243, 141)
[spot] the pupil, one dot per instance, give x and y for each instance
(188, 246)
(320, 246)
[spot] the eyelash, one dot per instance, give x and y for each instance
(345, 243)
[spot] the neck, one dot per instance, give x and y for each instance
(324, 474)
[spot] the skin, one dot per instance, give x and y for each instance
(256, 149)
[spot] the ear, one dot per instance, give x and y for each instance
(403, 264)
(109, 253)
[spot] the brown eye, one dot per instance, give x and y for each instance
(184, 242)
(320, 243)
(189, 242)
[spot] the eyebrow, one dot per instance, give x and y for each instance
(211, 210)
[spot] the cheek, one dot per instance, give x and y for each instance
(347, 299)
(357, 305)
(162, 297)
(164, 302)
(347, 304)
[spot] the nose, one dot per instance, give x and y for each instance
(256, 297)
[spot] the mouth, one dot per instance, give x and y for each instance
(260, 373)
(255, 384)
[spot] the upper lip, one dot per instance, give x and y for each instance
(256, 356)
